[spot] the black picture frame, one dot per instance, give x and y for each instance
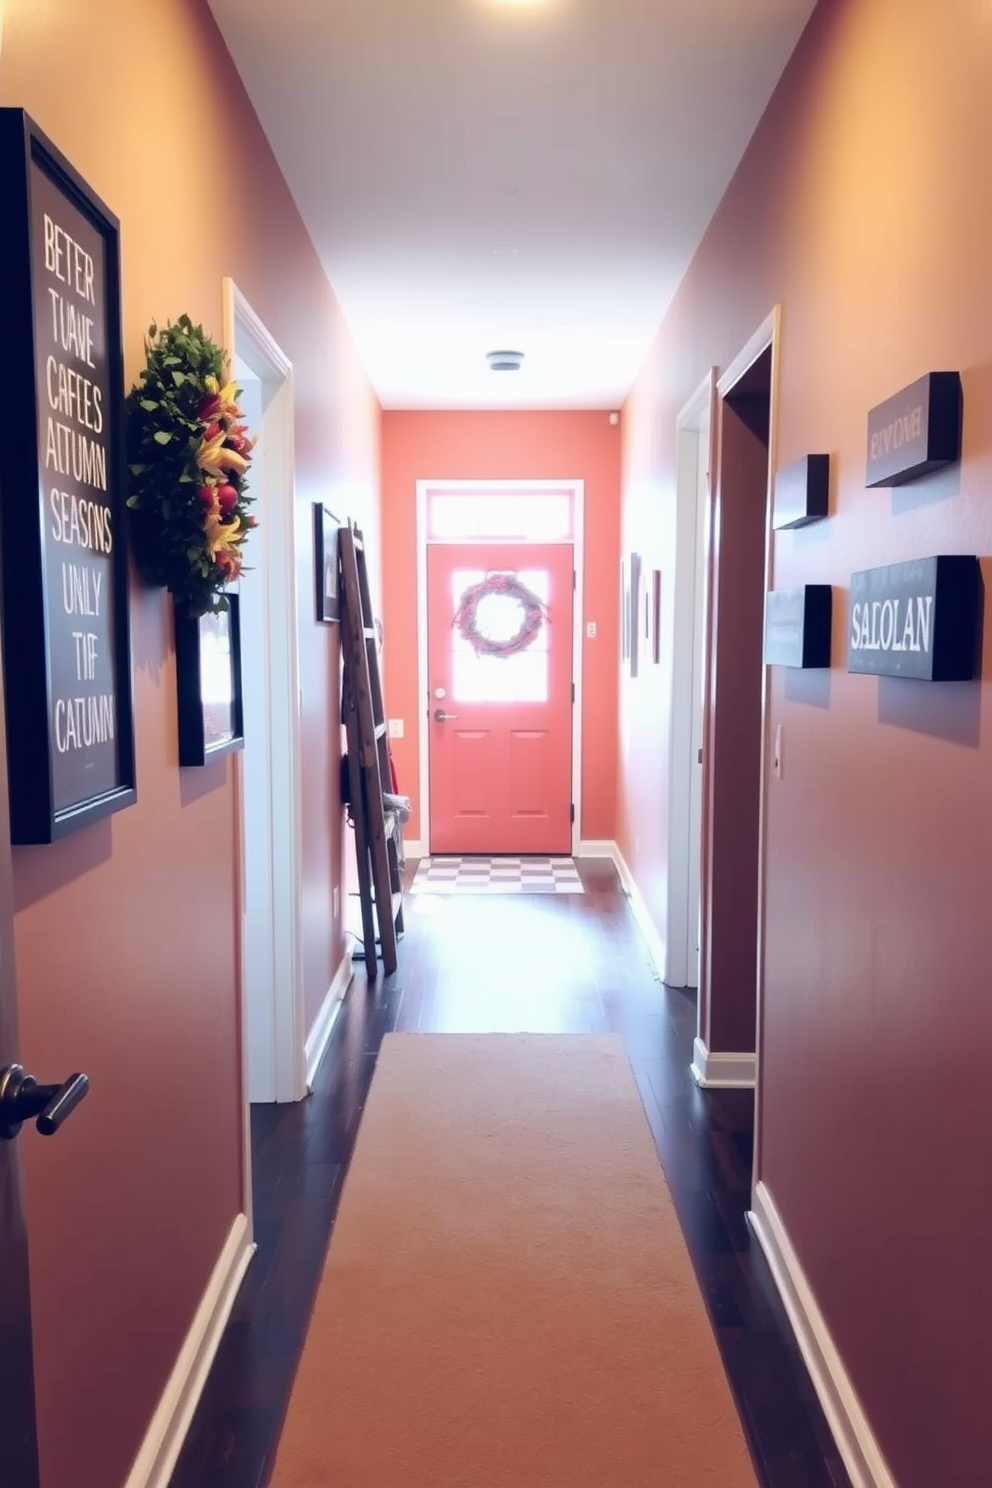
(635, 613)
(327, 576)
(208, 693)
(63, 474)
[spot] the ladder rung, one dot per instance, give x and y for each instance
(369, 633)
(380, 730)
(359, 544)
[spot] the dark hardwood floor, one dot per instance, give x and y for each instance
(544, 964)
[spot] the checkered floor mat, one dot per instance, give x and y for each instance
(497, 876)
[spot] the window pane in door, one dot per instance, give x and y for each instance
(521, 678)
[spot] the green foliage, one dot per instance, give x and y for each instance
(168, 412)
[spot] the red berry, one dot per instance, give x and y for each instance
(227, 498)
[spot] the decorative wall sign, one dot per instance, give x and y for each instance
(325, 547)
(208, 682)
(67, 658)
(801, 492)
(916, 619)
(797, 626)
(915, 431)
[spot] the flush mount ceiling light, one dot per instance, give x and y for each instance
(504, 361)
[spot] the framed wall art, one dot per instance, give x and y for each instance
(634, 608)
(208, 683)
(326, 575)
(656, 616)
(66, 639)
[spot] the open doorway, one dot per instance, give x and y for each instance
(273, 1032)
(733, 721)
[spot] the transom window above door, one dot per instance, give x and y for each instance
(502, 516)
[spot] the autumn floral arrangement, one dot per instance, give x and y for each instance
(188, 458)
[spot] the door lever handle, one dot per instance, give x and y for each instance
(441, 717)
(23, 1099)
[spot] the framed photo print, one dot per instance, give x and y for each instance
(325, 546)
(67, 651)
(634, 611)
(208, 684)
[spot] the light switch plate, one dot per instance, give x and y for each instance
(591, 629)
(396, 728)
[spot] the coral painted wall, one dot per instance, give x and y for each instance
(126, 933)
(861, 206)
(506, 446)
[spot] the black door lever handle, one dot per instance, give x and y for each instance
(23, 1099)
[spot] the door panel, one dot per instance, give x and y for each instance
(500, 753)
(528, 772)
(474, 774)
(18, 1443)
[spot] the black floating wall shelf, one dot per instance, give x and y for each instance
(801, 492)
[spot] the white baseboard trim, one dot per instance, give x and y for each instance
(845, 1414)
(414, 848)
(641, 913)
(323, 1023)
(589, 847)
(722, 1071)
(164, 1438)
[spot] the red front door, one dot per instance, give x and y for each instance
(500, 727)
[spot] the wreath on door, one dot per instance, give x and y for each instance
(532, 615)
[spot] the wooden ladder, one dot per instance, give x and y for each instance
(376, 829)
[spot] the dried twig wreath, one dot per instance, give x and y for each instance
(508, 585)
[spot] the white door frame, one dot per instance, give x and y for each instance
(246, 337)
(495, 487)
(738, 1070)
(695, 440)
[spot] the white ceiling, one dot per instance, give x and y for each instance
(479, 175)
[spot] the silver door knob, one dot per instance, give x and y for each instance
(441, 717)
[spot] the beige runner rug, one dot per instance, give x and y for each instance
(508, 1301)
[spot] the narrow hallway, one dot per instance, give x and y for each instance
(536, 963)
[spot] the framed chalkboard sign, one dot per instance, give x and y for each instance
(66, 643)
(208, 683)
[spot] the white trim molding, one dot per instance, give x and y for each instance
(722, 1071)
(415, 848)
(694, 440)
(324, 1022)
(861, 1453)
(641, 913)
(766, 335)
(591, 848)
(158, 1453)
